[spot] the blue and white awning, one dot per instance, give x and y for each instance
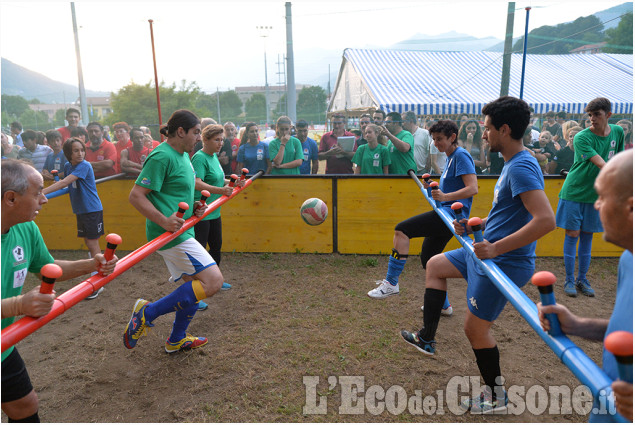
(433, 83)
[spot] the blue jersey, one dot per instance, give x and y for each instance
(55, 162)
(621, 320)
(508, 214)
(310, 152)
(254, 158)
(459, 163)
(83, 191)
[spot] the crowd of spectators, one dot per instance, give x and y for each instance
(404, 136)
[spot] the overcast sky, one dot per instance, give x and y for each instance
(216, 43)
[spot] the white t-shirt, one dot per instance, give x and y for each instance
(441, 158)
(421, 152)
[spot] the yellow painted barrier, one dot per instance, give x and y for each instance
(266, 218)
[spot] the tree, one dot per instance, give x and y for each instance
(620, 38)
(231, 107)
(59, 117)
(35, 120)
(255, 108)
(561, 39)
(14, 105)
(311, 105)
(281, 108)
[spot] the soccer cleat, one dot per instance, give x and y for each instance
(585, 287)
(426, 347)
(384, 290)
(188, 343)
(225, 286)
(95, 294)
(485, 403)
(202, 306)
(569, 288)
(137, 326)
(445, 311)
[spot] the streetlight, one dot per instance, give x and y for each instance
(264, 33)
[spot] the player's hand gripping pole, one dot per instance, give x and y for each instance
(434, 186)
(49, 273)
(112, 241)
(457, 208)
(232, 180)
(620, 343)
(55, 174)
(476, 224)
(544, 281)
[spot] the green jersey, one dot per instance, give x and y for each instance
(292, 151)
(23, 250)
(578, 186)
(208, 168)
(170, 177)
(401, 162)
(371, 161)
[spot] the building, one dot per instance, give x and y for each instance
(589, 49)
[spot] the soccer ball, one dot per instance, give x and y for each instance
(314, 211)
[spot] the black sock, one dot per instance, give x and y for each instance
(488, 361)
(34, 418)
(433, 301)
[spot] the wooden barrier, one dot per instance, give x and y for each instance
(267, 217)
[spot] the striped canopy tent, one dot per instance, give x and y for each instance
(440, 83)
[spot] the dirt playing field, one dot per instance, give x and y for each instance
(288, 316)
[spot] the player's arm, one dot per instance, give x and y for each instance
(593, 329)
(201, 185)
(315, 166)
(72, 269)
(139, 199)
(66, 181)
(470, 189)
(33, 304)
(105, 165)
(542, 222)
(400, 145)
(597, 161)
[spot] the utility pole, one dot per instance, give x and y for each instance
(80, 75)
(264, 32)
(507, 55)
(291, 100)
(282, 82)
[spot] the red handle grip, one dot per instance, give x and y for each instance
(232, 180)
(112, 240)
(244, 174)
(426, 177)
(183, 206)
(434, 186)
(204, 196)
(49, 273)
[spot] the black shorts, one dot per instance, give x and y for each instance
(16, 383)
(90, 225)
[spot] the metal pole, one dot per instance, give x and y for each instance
(522, 73)
(507, 55)
(156, 78)
(80, 75)
(291, 95)
(264, 33)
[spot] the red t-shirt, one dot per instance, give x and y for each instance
(105, 151)
(119, 147)
(65, 132)
(335, 165)
(138, 157)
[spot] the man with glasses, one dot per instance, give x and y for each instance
(400, 145)
(338, 161)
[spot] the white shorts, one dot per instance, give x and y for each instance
(186, 259)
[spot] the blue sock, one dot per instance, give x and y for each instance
(180, 299)
(395, 267)
(446, 304)
(569, 255)
(584, 254)
(182, 320)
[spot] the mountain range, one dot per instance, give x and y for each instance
(311, 66)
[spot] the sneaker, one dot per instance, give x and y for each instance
(188, 343)
(202, 306)
(484, 403)
(569, 288)
(426, 347)
(585, 287)
(95, 294)
(137, 326)
(384, 290)
(226, 286)
(445, 311)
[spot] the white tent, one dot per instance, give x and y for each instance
(432, 83)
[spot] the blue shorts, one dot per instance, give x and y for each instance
(572, 215)
(484, 300)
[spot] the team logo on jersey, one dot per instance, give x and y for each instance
(613, 143)
(145, 181)
(473, 302)
(18, 254)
